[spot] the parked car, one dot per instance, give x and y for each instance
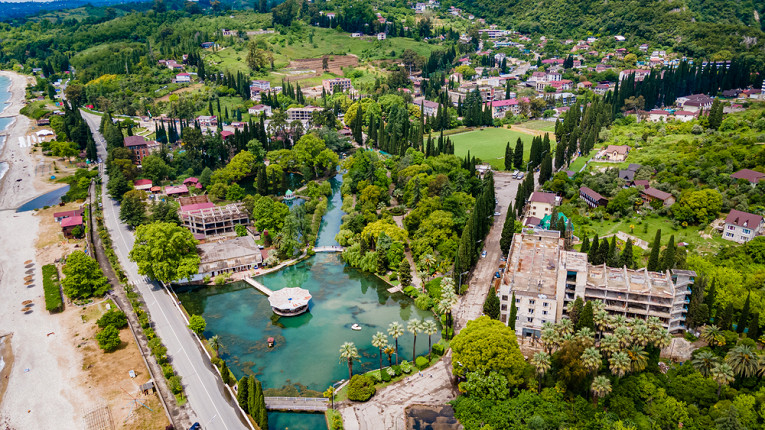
(497, 213)
(521, 175)
(496, 274)
(483, 254)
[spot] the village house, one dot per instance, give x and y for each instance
(651, 194)
(499, 108)
(592, 198)
(628, 174)
(684, 115)
(68, 225)
(260, 109)
(655, 115)
(694, 102)
(140, 147)
(60, 216)
(142, 184)
(207, 120)
(192, 182)
(380, 36)
(174, 191)
(428, 107)
(302, 113)
(616, 153)
(541, 204)
(741, 227)
(752, 176)
(182, 78)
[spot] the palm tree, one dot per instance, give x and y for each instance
(624, 335)
(640, 332)
(413, 326)
(723, 374)
(704, 362)
(349, 352)
(389, 352)
(601, 387)
(395, 330)
(712, 335)
(549, 338)
(638, 358)
(586, 336)
(609, 344)
(380, 341)
(215, 344)
(616, 321)
(428, 260)
(564, 327)
(430, 328)
(662, 339)
(600, 318)
(744, 360)
(541, 362)
(591, 359)
(619, 363)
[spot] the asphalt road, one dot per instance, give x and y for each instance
(471, 304)
(206, 394)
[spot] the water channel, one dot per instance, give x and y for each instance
(306, 350)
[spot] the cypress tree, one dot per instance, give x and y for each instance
(653, 258)
(513, 313)
(593, 251)
(613, 253)
(491, 305)
(668, 257)
(711, 297)
(754, 327)
(242, 394)
(603, 252)
(252, 397)
(586, 318)
(262, 414)
(225, 374)
(585, 244)
(508, 157)
(576, 311)
(508, 229)
(518, 155)
(743, 319)
(626, 259)
(726, 318)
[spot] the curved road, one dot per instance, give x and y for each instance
(206, 394)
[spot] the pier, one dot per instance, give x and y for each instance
(258, 286)
(315, 404)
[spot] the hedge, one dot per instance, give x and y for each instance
(438, 349)
(361, 388)
(53, 301)
(421, 362)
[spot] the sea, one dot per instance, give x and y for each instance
(5, 96)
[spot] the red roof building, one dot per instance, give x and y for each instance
(59, 216)
(171, 190)
(69, 224)
(750, 175)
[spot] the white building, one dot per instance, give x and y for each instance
(259, 109)
(380, 36)
(331, 85)
(741, 226)
(302, 113)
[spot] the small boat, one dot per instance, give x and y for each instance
(270, 342)
(356, 327)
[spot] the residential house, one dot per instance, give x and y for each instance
(69, 224)
(142, 184)
(741, 226)
(428, 107)
(695, 102)
(684, 115)
(641, 184)
(499, 108)
(140, 147)
(640, 74)
(174, 191)
(192, 182)
(651, 194)
(616, 153)
(592, 198)
(584, 85)
(541, 204)
(260, 109)
(750, 175)
(207, 120)
(182, 78)
(628, 174)
(656, 115)
(380, 36)
(601, 89)
(60, 216)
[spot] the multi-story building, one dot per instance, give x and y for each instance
(741, 226)
(541, 204)
(140, 147)
(205, 219)
(301, 113)
(335, 84)
(545, 277)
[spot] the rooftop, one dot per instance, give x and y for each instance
(625, 280)
(743, 219)
(532, 267)
(219, 255)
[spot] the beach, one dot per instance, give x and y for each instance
(40, 392)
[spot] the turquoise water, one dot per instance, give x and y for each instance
(306, 350)
(48, 199)
(293, 421)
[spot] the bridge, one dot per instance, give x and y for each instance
(258, 286)
(328, 249)
(315, 404)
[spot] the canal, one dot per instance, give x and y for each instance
(306, 353)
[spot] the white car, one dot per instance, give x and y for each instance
(483, 254)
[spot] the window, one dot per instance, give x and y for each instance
(747, 231)
(530, 319)
(504, 298)
(730, 227)
(504, 307)
(728, 234)
(531, 302)
(517, 300)
(544, 312)
(544, 304)
(531, 311)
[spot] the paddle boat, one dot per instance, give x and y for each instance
(356, 327)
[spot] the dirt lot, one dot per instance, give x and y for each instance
(190, 88)
(336, 64)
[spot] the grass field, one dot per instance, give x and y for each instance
(539, 125)
(488, 144)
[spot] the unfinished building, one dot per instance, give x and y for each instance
(205, 219)
(545, 277)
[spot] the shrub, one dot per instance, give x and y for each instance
(411, 291)
(406, 367)
(361, 388)
(167, 370)
(386, 376)
(438, 349)
(108, 339)
(53, 300)
(421, 362)
(197, 324)
(397, 370)
(174, 382)
(423, 302)
(113, 317)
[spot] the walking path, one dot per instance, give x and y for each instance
(386, 410)
(296, 403)
(258, 286)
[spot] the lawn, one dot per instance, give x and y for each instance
(646, 230)
(539, 125)
(488, 144)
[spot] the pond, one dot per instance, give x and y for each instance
(306, 350)
(50, 198)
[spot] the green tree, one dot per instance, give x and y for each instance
(395, 330)
(626, 258)
(225, 374)
(585, 318)
(235, 193)
(518, 155)
(715, 114)
(743, 319)
(83, 277)
(117, 185)
(541, 362)
(165, 211)
(491, 305)
(414, 326)
(653, 258)
(592, 253)
(215, 344)
(113, 317)
(380, 341)
(722, 374)
(668, 255)
(508, 230)
(242, 393)
(405, 273)
(508, 157)
(349, 353)
(486, 345)
(197, 324)
(601, 387)
(704, 362)
(165, 252)
(513, 313)
(155, 168)
(133, 209)
(109, 339)
(430, 328)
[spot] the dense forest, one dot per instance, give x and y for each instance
(696, 28)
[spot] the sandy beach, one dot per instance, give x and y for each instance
(39, 393)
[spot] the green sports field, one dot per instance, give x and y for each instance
(488, 144)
